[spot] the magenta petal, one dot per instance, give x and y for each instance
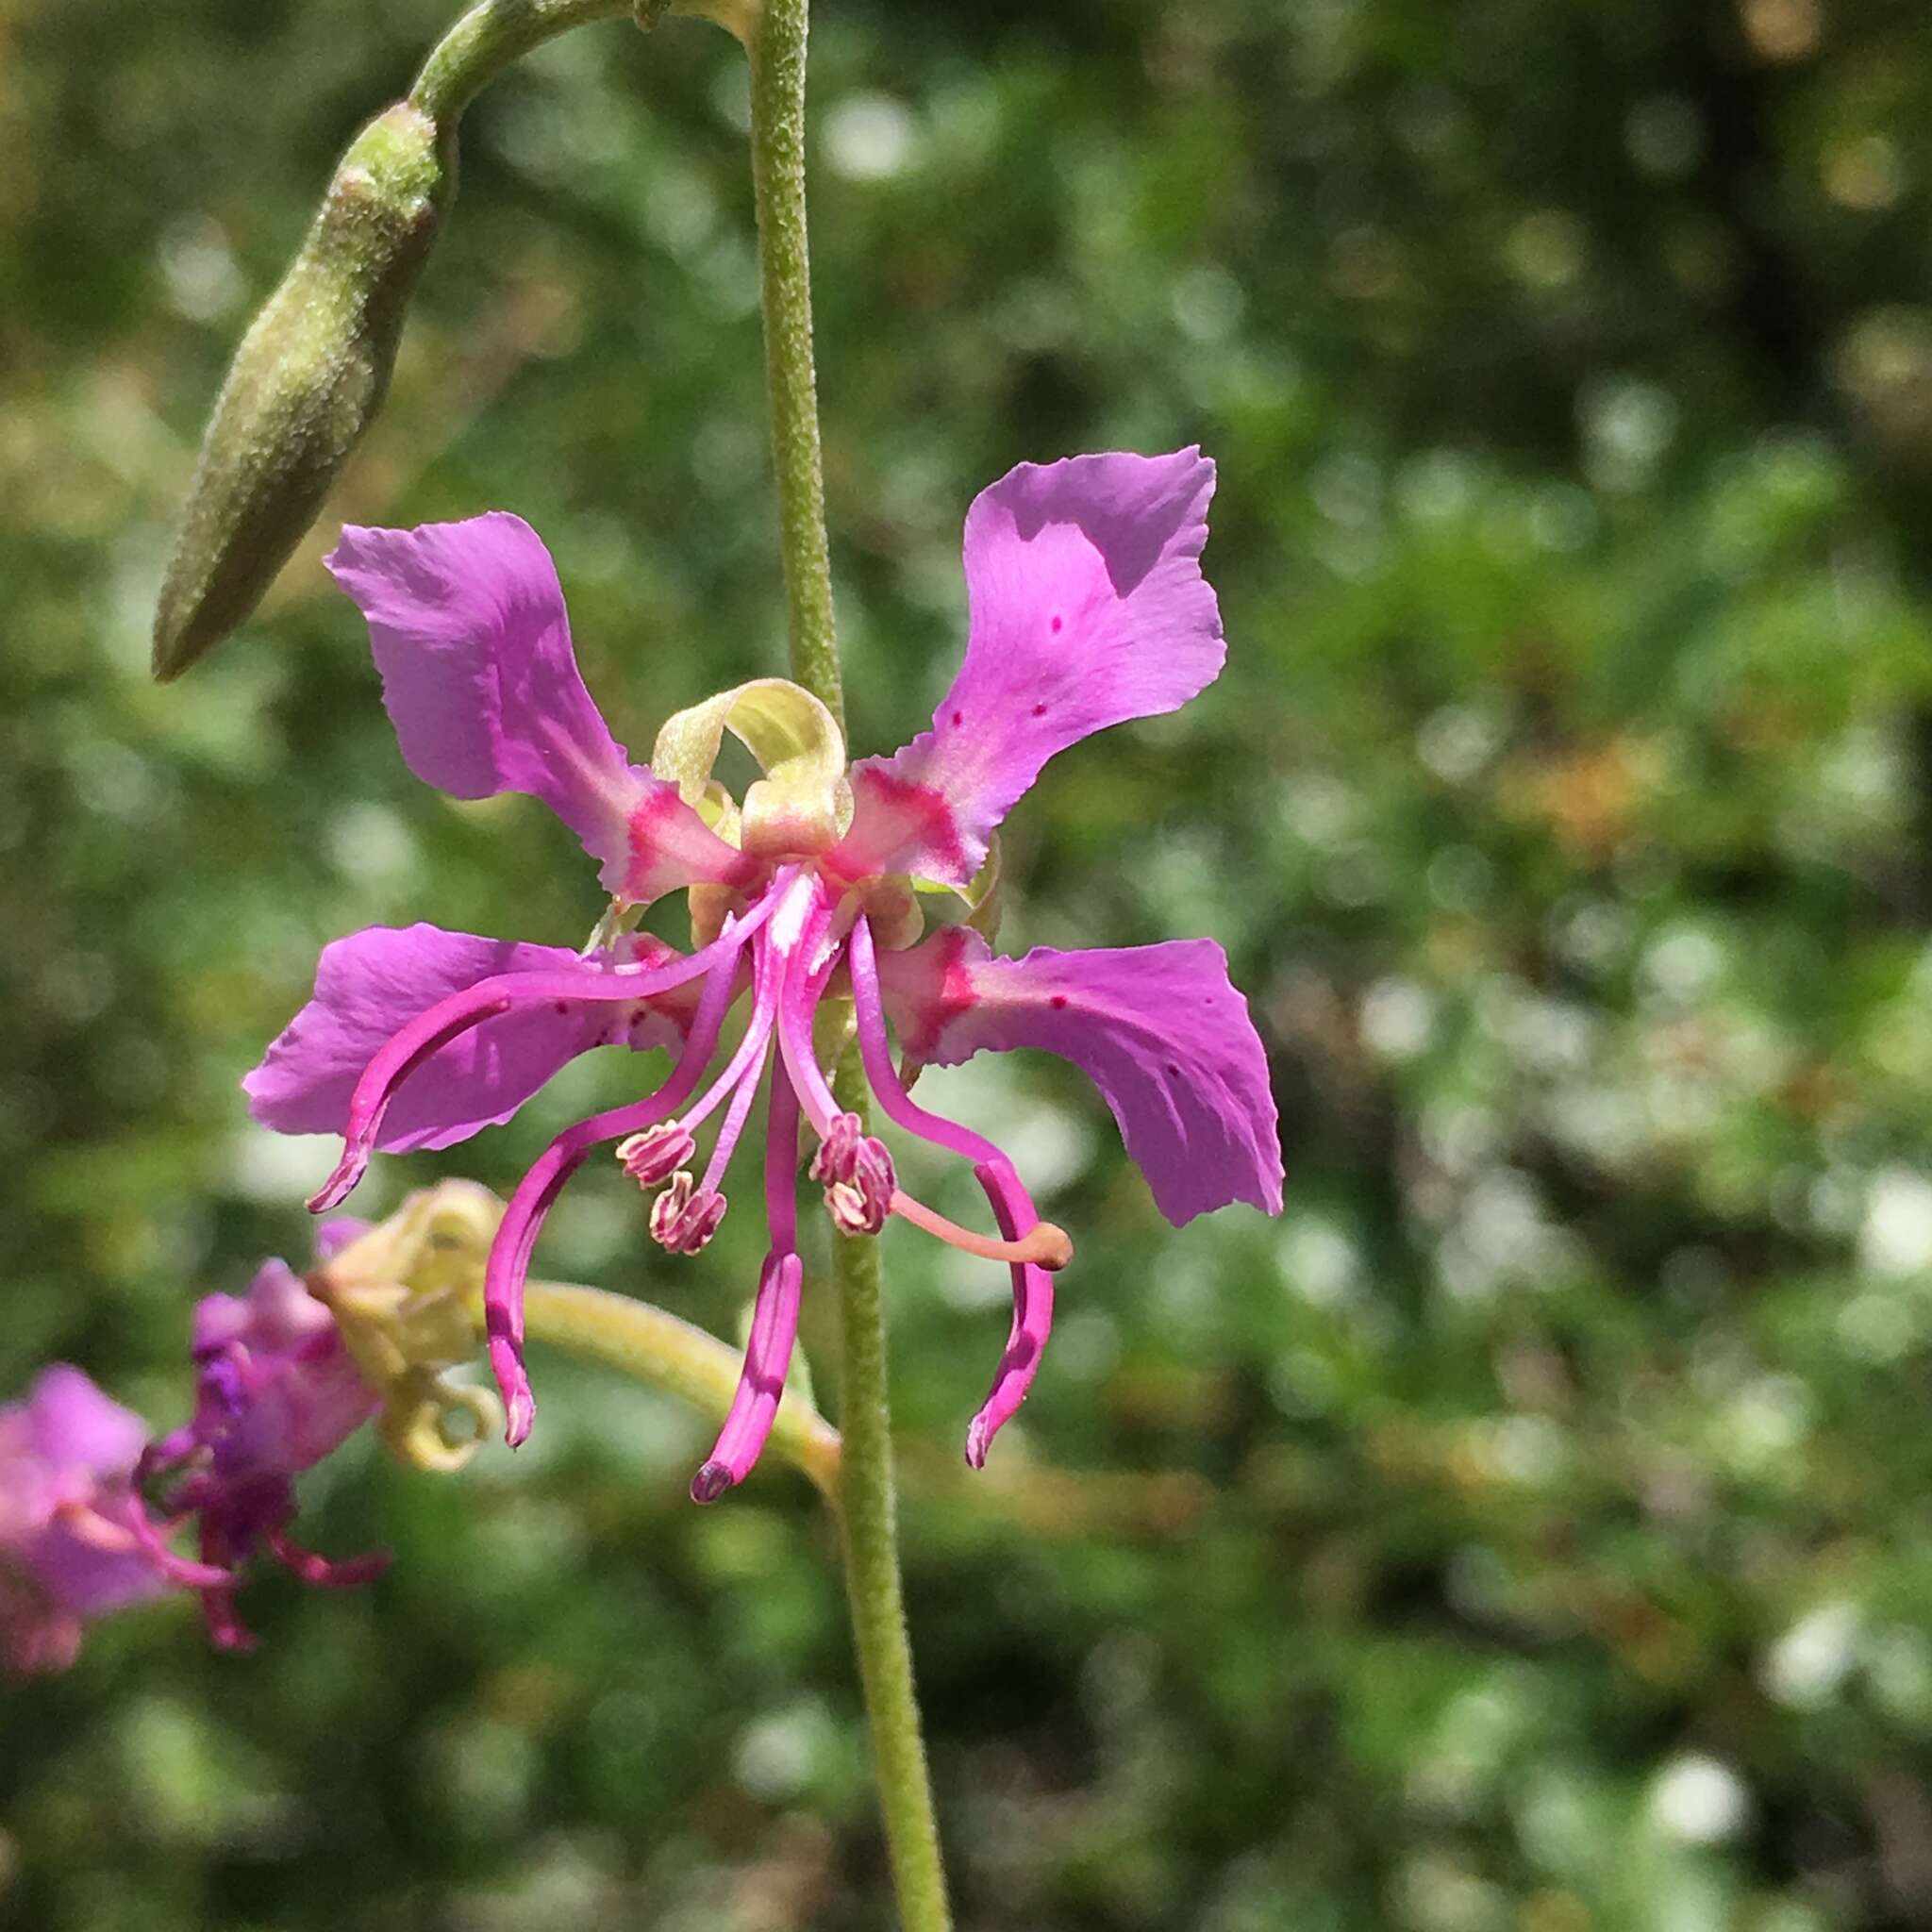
(66, 1457)
(372, 984)
(73, 1425)
(1158, 1029)
(73, 1568)
(469, 631)
(1088, 608)
(468, 627)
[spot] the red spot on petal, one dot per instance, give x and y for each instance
(958, 717)
(1056, 626)
(1039, 711)
(1058, 1001)
(562, 1008)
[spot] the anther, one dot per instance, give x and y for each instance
(656, 1153)
(857, 1169)
(838, 1150)
(684, 1219)
(852, 1212)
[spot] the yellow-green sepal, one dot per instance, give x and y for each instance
(981, 893)
(802, 804)
(399, 1296)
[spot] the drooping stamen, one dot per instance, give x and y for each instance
(857, 1169)
(775, 1320)
(523, 1218)
(762, 1386)
(320, 1571)
(876, 1053)
(225, 1629)
(1011, 1205)
(728, 1135)
(449, 1019)
(395, 1061)
(685, 1217)
(838, 1153)
(1032, 1317)
(85, 1524)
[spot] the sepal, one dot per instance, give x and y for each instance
(802, 804)
(400, 1297)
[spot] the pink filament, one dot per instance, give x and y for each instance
(516, 1238)
(1032, 1317)
(176, 1568)
(797, 1005)
(320, 1571)
(449, 1019)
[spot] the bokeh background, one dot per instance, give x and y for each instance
(1527, 1533)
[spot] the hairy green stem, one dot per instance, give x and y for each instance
(866, 1507)
(868, 1528)
(776, 46)
(662, 1352)
(488, 37)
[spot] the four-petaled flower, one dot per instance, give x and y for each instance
(1088, 608)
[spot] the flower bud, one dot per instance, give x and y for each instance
(306, 383)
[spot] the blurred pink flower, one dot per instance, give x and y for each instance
(275, 1392)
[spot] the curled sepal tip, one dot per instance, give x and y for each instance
(306, 383)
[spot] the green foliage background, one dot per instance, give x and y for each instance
(1530, 1530)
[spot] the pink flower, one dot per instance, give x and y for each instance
(275, 1392)
(1088, 609)
(69, 1550)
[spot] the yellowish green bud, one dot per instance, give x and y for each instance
(306, 383)
(400, 1296)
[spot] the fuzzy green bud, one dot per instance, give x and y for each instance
(306, 383)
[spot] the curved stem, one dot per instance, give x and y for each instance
(867, 1511)
(662, 1352)
(488, 37)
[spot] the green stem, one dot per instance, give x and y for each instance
(664, 1352)
(867, 1524)
(866, 1507)
(776, 46)
(488, 37)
